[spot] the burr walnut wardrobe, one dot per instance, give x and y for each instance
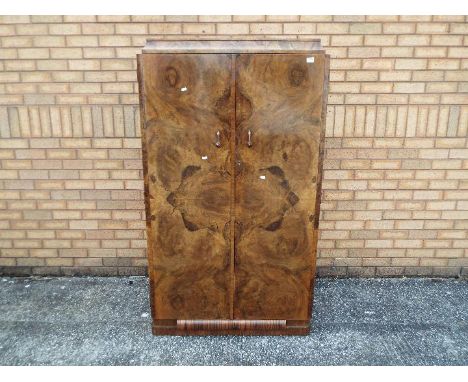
(232, 135)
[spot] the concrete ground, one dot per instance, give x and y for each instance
(106, 321)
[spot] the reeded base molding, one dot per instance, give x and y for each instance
(231, 327)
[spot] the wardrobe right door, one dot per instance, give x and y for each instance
(277, 151)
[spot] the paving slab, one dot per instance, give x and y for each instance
(106, 321)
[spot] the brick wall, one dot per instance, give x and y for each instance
(396, 182)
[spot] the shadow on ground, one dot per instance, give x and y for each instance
(106, 321)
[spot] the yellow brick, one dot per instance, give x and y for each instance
(215, 19)
(365, 28)
(345, 64)
(84, 64)
(299, 28)
(362, 75)
(381, 18)
(250, 19)
(63, 53)
(414, 40)
(99, 76)
(117, 64)
(79, 18)
(428, 75)
(165, 28)
(59, 262)
(380, 40)
(232, 28)
(396, 75)
(131, 29)
(14, 77)
(49, 41)
(34, 53)
(64, 29)
(337, 52)
(46, 19)
(378, 64)
(52, 65)
(67, 76)
(336, 28)
(97, 29)
(344, 87)
(181, 18)
(361, 52)
(456, 99)
(20, 88)
(7, 30)
(99, 52)
(88, 262)
(450, 18)
(265, 28)
(445, 40)
(406, 262)
(280, 18)
(432, 28)
(30, 262)
(32, 29)
(376, 87)
(430, 262)
(114, 40)
(398, 28)
(397, 52)
(346, 40)
(316, 18)
(85, 88)
(417, 18)
(83, 224)
(81, 41)
(459, 28)
(361, 99)
(199, 28)
(18, 42)
(430, 52)
(409, 87)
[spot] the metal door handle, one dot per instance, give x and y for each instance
(249, 142)
(218, 139)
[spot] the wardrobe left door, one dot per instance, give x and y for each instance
(188, 116)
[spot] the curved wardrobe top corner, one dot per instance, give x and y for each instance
(232, 46)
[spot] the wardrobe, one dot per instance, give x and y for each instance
(232, 136)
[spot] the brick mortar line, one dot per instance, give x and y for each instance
(234, 36)
(141, 211)
(126, 71)
(322, 229)
(64, 105)
(331, 82)
(132, 22)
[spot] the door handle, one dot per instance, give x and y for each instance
(218, 139)
(249, 141)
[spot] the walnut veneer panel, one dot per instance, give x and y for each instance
(186, 102)
(279, 104)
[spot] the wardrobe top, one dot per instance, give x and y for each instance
(232, 46)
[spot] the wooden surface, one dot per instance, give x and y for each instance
(228, 327)
(187, 102)
(232, 46)
(232, 230)
(279, 100)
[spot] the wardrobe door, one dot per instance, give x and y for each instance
(188, 111)
(278, 133)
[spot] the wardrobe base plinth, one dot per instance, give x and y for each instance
(230, 327)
